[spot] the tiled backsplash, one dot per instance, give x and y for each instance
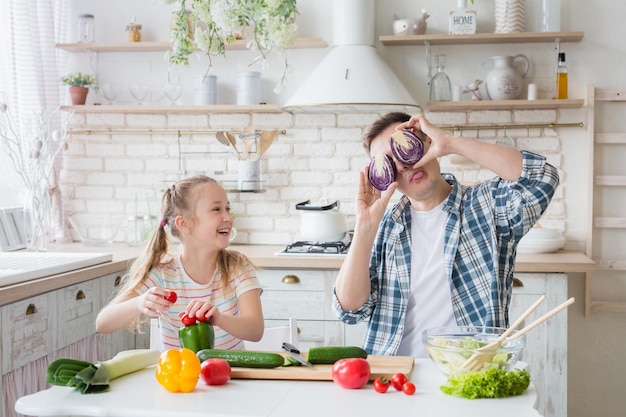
(319, 156)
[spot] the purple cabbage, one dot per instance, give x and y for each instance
(406, 147)
(382, 171)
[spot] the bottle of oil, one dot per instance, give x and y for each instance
(561, 77)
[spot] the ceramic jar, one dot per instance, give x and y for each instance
(505, 81)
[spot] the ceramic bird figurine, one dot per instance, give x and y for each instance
(473, 88)
(410, 26)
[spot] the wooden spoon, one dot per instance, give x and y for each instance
(231, 140)
(266, 140)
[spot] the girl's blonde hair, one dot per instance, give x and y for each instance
(178, 200)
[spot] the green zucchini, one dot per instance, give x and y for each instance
(331, 354)
(243, 358)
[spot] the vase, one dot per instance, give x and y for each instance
(37, 219)
(505, 81)
(78, 95)
(510, 16)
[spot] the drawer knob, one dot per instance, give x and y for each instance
(517, 283)
(80, 295)
(118, 281)
(291, 279)
(31, 309)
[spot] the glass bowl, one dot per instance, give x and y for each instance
(96, 229)
(450, 347)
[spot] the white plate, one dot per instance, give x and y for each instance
(541, 246)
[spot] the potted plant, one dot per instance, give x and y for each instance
(79, 84)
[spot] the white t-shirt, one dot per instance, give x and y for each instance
(430, 302)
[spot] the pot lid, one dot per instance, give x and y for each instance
(306, 205)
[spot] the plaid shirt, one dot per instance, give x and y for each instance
(484, 225)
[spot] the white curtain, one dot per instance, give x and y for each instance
(29, 72)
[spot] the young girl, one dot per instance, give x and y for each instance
(210, 281)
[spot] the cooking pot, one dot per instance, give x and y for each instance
(322, 222)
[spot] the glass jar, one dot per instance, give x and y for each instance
(440, 86)
(86, 28)
(133, 31)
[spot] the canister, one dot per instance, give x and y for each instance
(249, 88)
(205, 91)
(86, 28)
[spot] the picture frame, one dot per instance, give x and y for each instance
(12, 229)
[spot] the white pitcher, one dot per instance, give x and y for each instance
(504, 81)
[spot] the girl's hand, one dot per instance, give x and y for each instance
(202, 311)
(153, 301)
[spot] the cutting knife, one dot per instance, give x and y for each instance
(295, 353)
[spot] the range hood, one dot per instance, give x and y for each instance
(352, 77)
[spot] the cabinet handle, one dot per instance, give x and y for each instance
(31, 309)
(291, 279)
(80, 295)
(118, 281)
(517, 283)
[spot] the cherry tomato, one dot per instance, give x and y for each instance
(215, 371)
(381, 385)
(171, 297)
(351, 373)
(188, 321)
(398, 380)
(408, 388)
(202, 318)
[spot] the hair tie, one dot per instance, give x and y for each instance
(163, 222)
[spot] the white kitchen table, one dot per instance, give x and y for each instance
(139, 395)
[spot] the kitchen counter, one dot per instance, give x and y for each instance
(263, 256)
(139, 395)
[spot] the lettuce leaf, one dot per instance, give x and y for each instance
(490, 383)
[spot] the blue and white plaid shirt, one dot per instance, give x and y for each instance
(485, 223)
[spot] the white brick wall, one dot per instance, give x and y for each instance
(318, 156)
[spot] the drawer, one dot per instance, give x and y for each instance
(78, 307)
(29, 330)
(285, 304)
(283, 280)
(109, 285)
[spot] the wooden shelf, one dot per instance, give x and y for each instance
(164, 46)
(148, 109)
(481, 38)
(503, 105)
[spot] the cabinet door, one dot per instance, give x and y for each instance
(546, 345)
(29, 330)
(122, 339)
(295, 293)
(78, 307)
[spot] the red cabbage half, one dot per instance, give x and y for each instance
(406, 147)
(382, 171)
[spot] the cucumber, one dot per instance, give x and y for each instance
(243, 358)
(331, 354)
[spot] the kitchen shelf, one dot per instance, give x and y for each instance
(300, 43)
(504, 105)
(147, 109)
(481, 38)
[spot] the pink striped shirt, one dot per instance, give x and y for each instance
(172, 276)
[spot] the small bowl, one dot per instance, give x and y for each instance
(450, 347)
(96, 229)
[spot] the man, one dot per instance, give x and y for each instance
(444, 254)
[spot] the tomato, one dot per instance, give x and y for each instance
(351, 373)
(188, 321)
(408, 388)
(171, 297)
(381, 385)
(215, 371)
(202, 319)
(398, 380)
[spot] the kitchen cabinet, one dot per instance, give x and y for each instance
(54, 324)
(546, 345)
(490, 38)
(307, 295)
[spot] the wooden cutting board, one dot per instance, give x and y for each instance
(379, 366)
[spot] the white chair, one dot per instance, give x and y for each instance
(273, 337)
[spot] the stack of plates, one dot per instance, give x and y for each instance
(541, 240)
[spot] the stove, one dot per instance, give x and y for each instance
(303, 248)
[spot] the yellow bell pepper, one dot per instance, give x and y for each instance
(178, 370)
